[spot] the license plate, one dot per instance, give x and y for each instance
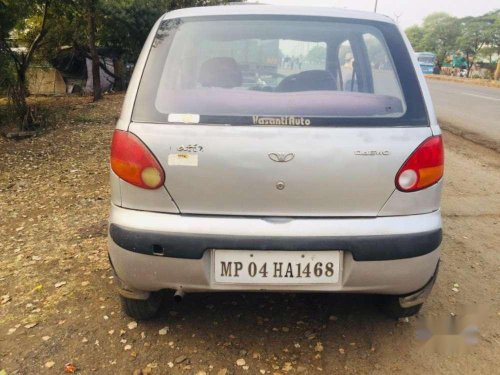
(276, 267)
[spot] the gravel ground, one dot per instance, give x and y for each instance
(58, 303)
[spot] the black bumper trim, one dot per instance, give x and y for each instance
(192, 246)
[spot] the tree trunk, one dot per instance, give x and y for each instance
(17, 96)
(497, 72)
(96, 76)
(19, 91)
(119, 66)
(469, 65)
(22, 92)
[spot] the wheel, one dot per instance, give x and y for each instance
(142, 309)
(391, 307)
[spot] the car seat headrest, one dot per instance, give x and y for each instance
(220, 72)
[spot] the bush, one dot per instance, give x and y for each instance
(488, 74)
(7, 74)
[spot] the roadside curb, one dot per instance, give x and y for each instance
(467, 81)
(470, 136)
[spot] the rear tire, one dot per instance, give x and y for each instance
(391, 307)
(142, 309)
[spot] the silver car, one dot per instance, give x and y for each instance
(267, 148)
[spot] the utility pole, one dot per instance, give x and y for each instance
(376, 4)
(397, 17)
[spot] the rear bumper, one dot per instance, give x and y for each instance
(153, 251)
(193, 246)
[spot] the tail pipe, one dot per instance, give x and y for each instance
(178, 296)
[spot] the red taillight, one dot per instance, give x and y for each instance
(133, 162)
(424, 167)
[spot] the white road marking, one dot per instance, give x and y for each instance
(481, 96)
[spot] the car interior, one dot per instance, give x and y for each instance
(226, 72)
(230, 68)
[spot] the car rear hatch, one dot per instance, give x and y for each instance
(279, 116)
(279, 171)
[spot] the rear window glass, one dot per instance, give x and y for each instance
(270, 71)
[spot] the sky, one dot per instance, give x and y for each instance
(406, 12)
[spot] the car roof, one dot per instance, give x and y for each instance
(243, 9)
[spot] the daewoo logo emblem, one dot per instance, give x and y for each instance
(281, 157)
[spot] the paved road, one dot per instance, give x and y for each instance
(472, 111)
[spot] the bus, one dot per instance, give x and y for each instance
(427, 61)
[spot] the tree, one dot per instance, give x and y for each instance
(470, 36)
(121, 26)
(96, 71)
(416, 35)
(475, 35)
(494, 37)
(125, 24)
(441, 32)
(316, 55)
(21, 47)
(30, 28)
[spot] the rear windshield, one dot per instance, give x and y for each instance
(293, 71)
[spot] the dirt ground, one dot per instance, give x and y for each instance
(58, 302)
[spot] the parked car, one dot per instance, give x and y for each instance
(326, 178)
